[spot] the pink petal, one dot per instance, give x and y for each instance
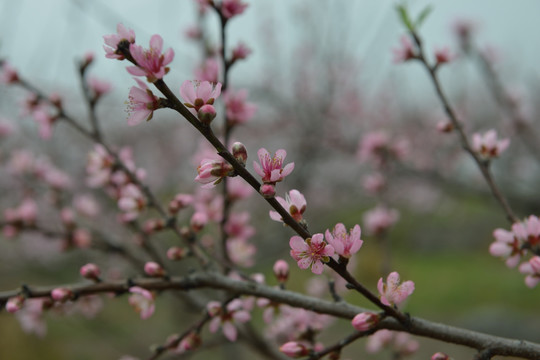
(135, 70)
(304, 263)
(156, 43)
(287, 169)
(229, 331)
(258, 169)
(281, 154)
(204, 91)
(274, 215)
(317, 267)
(187, 91)
(214, 324)
(298, 244)
(138, 116)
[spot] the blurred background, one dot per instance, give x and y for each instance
(323, 77)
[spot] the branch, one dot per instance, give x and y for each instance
(416, 326)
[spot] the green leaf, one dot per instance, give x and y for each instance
(423, 15)
(405, 19)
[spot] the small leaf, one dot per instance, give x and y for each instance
(423, 15)
(405, 19)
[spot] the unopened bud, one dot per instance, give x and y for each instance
(440, 356)
(281, 270)
(267, 191)
(190, 342)
(176, 253)
(365, 321)
(207, 113)
(198, 221)
(152, 225)
(14, 304)
(153, 269)
(61, 294)
(90, 271)
(294, 349)
(239, 152)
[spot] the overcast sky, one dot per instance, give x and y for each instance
(43, 38)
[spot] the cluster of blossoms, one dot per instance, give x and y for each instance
(314, 251)
(104, 171)
(515, 244)
(226, 317)
(400, 342)
(271, 170)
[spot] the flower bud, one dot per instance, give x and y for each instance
(14, 304)
(281, 270)
(61, 294)
(206, 114)
(190, 342)
(153, 269)
(294, 349)
(240, 153)
(365, 321)
(267, 191)
(176, 253)
(439, 356)
(198, 221)
(90, 271)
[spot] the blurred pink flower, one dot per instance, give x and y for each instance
(237, 226)
(151, 63)
(380, 219)
(311, 252)
(443, 55)
(393, 292)
(230, 8)
(405, 51)
(294, 203)
(238, 110)
(98, 87)
(345, 244)
(241, 252)
(8, 74)
(240, 51)
(509, 244)
(112, 41)
(487, 145)
(208, 71)
(295, 349)
(142, 300)
(227, 318)
(132, 201)
(532, 269)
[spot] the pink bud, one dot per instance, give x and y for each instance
(198, 221)
(14, 304)
(61, 294)
(439, 356)
(90, 271)
(365, 321)
(152, 225)
(239, 152)
(281, 270)
(189, 342)
(68, 216)
(294, 349)
(267, 191)
(176, 253)
(153, 269)
(207, 113)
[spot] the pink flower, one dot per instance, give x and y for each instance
(190, 342)
(211, 172)
(271, 168)
(31, 316)
(199, 93)
(112, 41)
(294, 203)
(241, 252)
(237, 226)
(208, 71)
(295, 349)
(142, 103)
(193, 32)
(151, 63)
(8, 74)
(98, 87)
(532, 269)
(405, 51)
(509, 244)
(238, 110)
(238, 189)
(392, 292)
(227, 318)
(240, 51)
(380, 219)
(45, 122)
(443, 55)
(142, 300)
(86, 205)
(230, 8)
(132, 201)
(487, 145)
(378, 147)
(374, 183)
(345, 244)
(311, 253)
(400, 342)
(365, 321)
(198, 221)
